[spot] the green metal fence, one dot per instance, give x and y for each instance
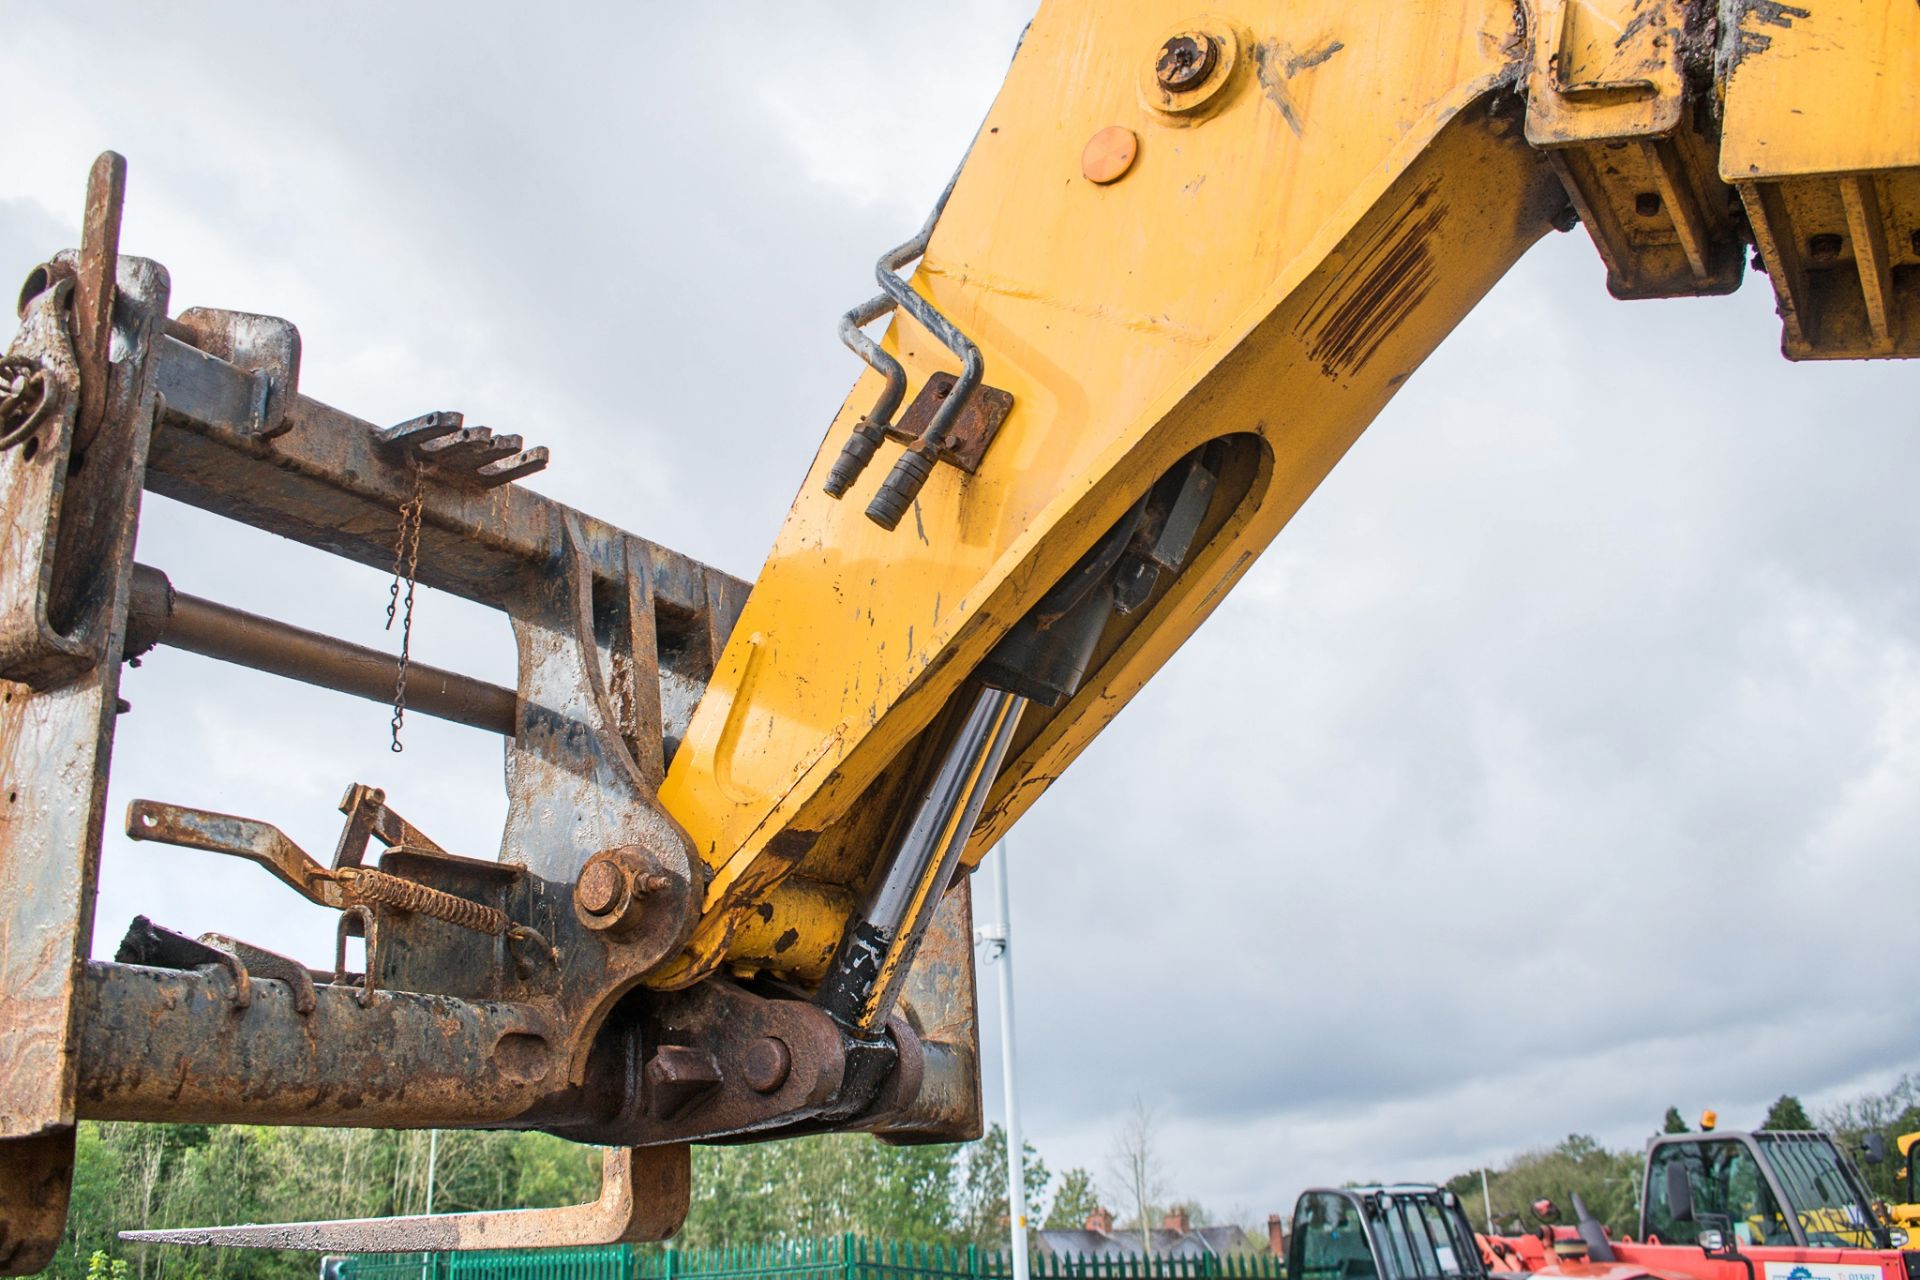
(847, 1257)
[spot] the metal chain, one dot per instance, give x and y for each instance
(406, 560)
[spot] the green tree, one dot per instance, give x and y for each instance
(101, 1267)
(89, 1215)
(133, 1175)
(981, 1202)
(1890, 1114)
(1607, 1181)
(908, 1192)
(820, 1186)
(736, 1197)
(1073, 1201)
(1674, 1123)
(1787, 1113)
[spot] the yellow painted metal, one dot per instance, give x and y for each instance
(1609, 99)
(1906, 1215)
(1612, 70)
(1293, 235)
(1822, 138)
(1830, 87)
(1275, 265)
(793, 931)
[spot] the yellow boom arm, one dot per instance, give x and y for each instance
(1259, 257)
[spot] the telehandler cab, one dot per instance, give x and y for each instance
(1734, 1206)
(1407, 1231)
(1774, 1187)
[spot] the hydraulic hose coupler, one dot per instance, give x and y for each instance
(854, 456)
(902, 486)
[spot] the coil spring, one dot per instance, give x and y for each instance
(27, 396)
(408, 895)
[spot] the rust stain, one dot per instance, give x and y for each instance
(1386, 282)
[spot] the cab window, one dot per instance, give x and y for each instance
(1329, 1242)
(1823, 1191)
(1727, 1181)
(1422, 1238)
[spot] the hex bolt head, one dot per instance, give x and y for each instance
(598, 890)
(620, 889)
(768, 1062)
(1185, 61)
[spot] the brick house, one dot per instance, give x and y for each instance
(1175, 1237)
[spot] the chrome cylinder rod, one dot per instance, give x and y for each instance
(879, 945)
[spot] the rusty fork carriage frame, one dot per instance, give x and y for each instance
(495, 994)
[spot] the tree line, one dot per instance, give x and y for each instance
(1608, 1181)
(131, 1176)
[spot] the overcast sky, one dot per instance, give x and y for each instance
(1556, 765)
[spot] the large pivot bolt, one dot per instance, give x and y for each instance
(613, 887)
(599, 890)
(1185, 61)
(769, 1062)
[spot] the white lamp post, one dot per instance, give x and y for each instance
(998, 939)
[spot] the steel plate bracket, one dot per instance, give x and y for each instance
(966, 443)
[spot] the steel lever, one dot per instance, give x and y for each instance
(240, 837)
(346, 886)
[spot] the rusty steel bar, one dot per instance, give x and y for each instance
(94, 288)
(168, 1044)
(329, 483)
(160, 615)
